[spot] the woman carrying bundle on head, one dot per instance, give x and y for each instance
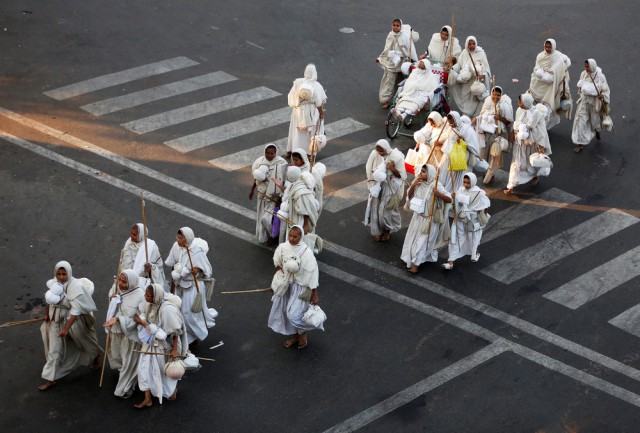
(67, 332)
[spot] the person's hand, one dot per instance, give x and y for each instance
(422, 56)
(147, 268)
(64, 332)
(453, 196)
(305, 227)
(540, 149)
(110, 322)
(251, 194)
(274, 180)
(389, 165)
(377, 60)
(174, 352)
(474, 121)
(314, 298)
(195, 271)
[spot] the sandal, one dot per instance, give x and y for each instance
(475, 258)
(302, 341)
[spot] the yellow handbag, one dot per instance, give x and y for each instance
(458, 156)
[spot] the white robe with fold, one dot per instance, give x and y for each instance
(466, 231)
(377, 216)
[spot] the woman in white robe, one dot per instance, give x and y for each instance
(529, 135)
(398, 47)
(299, 204)
(267, 170)
(459, 134)
(550, 82)
(134, 257)
(496, 115)
(426, 136)
(162, 326)
(466, 231)
(593, 104)
(385, 192)
(184, 275)
(306, 99)
(68, 334)
(417, 90)
(428, 228)
(289, 306)
(439, 49)
(123, 305)
(471, 70)
(312, 176)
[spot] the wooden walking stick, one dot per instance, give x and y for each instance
(455, 210)
(144, 228)
(21, 322)
(108, 342)
(433, 203)
(197, 304)
(235, 292)
(168, 354)
(451, 40)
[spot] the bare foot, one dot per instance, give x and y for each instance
(377, 238)
(385, 236)
(174, 395)
(291, 341)
(578, 148)
(508, 191)
(48, 384)
(302, 341)
(413, 269)
(144, 403)
(534, 181)
(386, 105)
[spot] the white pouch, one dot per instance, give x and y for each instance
(417, 205)
(314, 316)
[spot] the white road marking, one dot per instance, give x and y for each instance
(134, 99)
(201, 109)
(598, 281)
(247, 237)
(341, 199)
(524, 213)
(241, 127)
(245, 158)
(121, 77)
(349, 159)
(131, 165)
(348, 254)
(557, 247)
(628, 320)
(424, 386)
(255, 45)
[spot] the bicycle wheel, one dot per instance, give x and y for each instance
(393, 126)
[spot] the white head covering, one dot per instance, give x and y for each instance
(188, 234)
(436, 117)
(293, 174)
(384, 144)
(448, 29)
(527, 100)
(66, 266)
(427, 64)
(456, 118)
(553, 44)
(431, 172)
(472, 178)
(310, 73)
(301, 233)
(303, 154)
(593, 66)
(132, 278)
(470, 38)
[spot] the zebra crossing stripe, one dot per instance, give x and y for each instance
(134, 99)
(201, 109)
(239, 128)
(525, 213)
(244, 158)
(628, 321)
(598, 281)
(557, 247)
(349, 159)
(346, 197)
(121, 77)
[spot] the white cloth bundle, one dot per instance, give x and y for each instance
(481, 166)
(314, 316)
(405, 68)
(523, 132)
(260, 173)
(544, 76)
(191, 362)
(540, 160)
(488, 123)
(464, 75)
(147, 336)
(55, 293)
(477, 89)
(375, 190)
(380, 175)
(394, 56)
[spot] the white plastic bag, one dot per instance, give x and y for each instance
(314, 316)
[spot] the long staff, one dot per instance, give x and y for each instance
(281, 218)
(493, 85)
(167, 354)
(236, 292)
(21, 322)
(199, 296)
(108, 342)
(453, 31)
(144, 228)
(433, 202)
(455, 211)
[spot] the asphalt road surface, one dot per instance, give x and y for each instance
(102, 102)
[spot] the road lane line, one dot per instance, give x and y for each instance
(116, 78)
(524, 213)
(247, 237)
(231, 130)
(628, 321)
(157, 93)
(575, 374)
(341, 199)
(131, 165)
(244, 158)
(548, 251)
(598, 281)
(347, 160)
(201, 109)
(347, 253)
(424, 386)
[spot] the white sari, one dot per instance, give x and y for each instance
(590, 108)
(304, 98)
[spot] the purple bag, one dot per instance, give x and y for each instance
(275, 226)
